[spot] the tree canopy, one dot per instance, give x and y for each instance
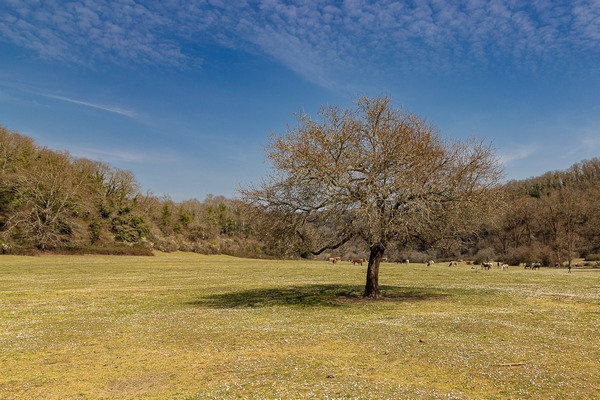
(375, 172)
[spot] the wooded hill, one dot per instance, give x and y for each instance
(51, 201)
(552, 218)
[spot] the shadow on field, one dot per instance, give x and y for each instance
(314, 295)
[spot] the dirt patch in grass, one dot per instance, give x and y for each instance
(137, 385)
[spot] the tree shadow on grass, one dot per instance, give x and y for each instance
(314, 295)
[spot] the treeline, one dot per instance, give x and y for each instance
(51, 201)
(551, 219)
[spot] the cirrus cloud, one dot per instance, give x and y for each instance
(317, 39)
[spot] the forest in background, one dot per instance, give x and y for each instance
(53, 202)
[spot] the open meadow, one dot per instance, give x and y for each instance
(188, 326)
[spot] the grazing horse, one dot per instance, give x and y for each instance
(453, 264)
(528, 266)
(332, 260)
(504, 267)
(357, 261)
(486, 265)
(535, 266)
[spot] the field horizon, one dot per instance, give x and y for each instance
(189, 326)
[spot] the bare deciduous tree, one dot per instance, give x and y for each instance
(376, 172)
(46, 200)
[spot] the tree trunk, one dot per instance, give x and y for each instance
(570, 248)
(372, 286)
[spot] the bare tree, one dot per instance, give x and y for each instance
(46, 200)
(376, 172)
(563, 214)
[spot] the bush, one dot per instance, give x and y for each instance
(520, 255)
(485, 255)
(107, 250)
(20, 250)
(165, 244)
(414, 256)
(130, 228)
(548, 259)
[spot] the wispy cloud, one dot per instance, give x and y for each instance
(592, 143)
(112, 109)
(588, 142)
(518, 153)
(121, 156)
(316, 39)
(13, 87)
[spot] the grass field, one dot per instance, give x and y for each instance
(187, 326)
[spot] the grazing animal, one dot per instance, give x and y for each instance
(453, 264)
(535, 266)
(357, 261)
(332, 260)
(469, 262)
(384, 259)
(528, 266)
(430, 263)
(504, 267)
(486, 265)
(406, 261)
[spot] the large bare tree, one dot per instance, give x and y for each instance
(375, 172)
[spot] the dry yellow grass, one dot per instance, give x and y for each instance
(186, 326)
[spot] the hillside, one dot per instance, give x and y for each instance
(51, 201)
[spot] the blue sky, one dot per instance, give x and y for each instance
(183, 93)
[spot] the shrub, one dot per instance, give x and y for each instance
(20, 250)
(485, 255)
(129, 228)
(414, 256)
(548, 258)
(165, 244)
(106, 250)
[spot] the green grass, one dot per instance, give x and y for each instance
(186, 326)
